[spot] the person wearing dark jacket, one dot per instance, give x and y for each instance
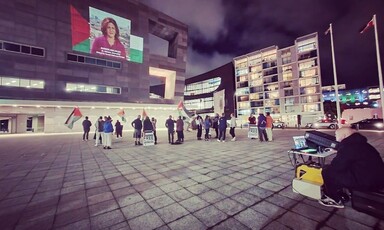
(170, 124)
(215, 124)
(147, 125)
(119, 129)
(86, 127)
(261, 126)
(180, 129)
(222, 128)
(138, 126)
(99, 131)
(199, 124)
(357, 166)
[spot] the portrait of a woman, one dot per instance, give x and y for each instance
(109, 43)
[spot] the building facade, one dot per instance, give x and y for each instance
(55, 55)
(211, 92)
(285, 82)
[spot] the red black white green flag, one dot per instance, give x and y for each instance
(73, 117)
(366, 27)
(121, 114)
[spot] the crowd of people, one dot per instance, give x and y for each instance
(218, 123)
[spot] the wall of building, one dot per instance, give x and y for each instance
(47, 24)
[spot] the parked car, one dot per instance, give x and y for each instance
(368, 124)
(323, 124)
(278, 124)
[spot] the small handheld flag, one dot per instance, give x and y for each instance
(121, 114)
(73, 117)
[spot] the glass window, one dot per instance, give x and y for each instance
(92, 88)
(117, 65)
(7, 81)
(81, 59)
(26, 49)
(71, 57)
(37, 51)
(37, 84)
(11, 47)
(25, 83)
(206, 86)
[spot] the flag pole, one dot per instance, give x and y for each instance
(335, 78)
(379, 67)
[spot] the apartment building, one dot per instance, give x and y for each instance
(285, 82)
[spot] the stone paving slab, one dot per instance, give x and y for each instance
(60, 182)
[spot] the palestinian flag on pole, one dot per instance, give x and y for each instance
(121, 114)
(366, 27)
(73, 117)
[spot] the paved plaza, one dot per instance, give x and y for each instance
(61, 182)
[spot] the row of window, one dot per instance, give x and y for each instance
(39, 84)
(79, 87)
(206, 86)
(202, 103)
(20, 82)
(93, 61)
(39, 51)
(20, 48)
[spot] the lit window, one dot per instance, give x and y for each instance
(70, 87)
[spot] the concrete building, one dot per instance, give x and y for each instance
(285, 82)
(56, 55)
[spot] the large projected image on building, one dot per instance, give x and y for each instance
(105, 34)
(109, 34)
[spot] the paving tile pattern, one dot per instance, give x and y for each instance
(61, 182)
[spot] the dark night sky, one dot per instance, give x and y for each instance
(220, 30)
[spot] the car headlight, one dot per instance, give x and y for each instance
(379, 125)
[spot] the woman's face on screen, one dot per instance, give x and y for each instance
(111, 30)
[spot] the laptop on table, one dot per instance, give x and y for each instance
(300, 144)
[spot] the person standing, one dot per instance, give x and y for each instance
(252, 122)
(180, 129)
(269, 125)
(147, 125)
(86, 128)
(154, 121)
(215, 124)
(252, 119)
(138, 126)
(108, 130)
(261, 124)
(222, 128)
(119, 129)
(99, 131)
(207, 126)
(232, 127)
(170, 124)
(199, 124)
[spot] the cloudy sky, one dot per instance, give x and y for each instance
(222, 29)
